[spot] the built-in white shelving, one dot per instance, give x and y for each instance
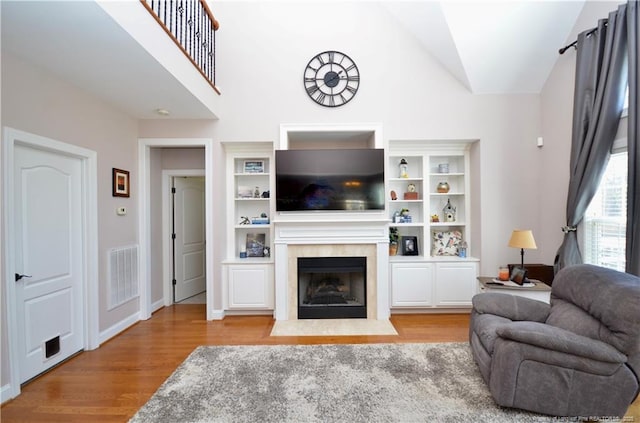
(429, 279)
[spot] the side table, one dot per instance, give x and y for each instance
(540, 291)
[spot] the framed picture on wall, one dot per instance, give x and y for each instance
(120, 182)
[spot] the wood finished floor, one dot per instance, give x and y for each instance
(111, 383)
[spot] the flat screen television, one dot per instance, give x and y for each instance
(331, 179)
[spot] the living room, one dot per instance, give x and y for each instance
(261, 51)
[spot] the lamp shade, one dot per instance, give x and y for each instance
(522, 238)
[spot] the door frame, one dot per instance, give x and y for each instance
(89, 198)
(144, 216)
(167, 265)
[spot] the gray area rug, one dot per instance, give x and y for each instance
(328, 383)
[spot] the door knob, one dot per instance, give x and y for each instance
(18, 276)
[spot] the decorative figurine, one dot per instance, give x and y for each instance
(256, 193)
(435, 218)
(411, 188)
(244, 220)
(266, 194)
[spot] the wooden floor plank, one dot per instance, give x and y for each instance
(111, 383)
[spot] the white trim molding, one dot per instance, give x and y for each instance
(144, 226)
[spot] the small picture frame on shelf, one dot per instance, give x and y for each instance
(409, 245)
(253, 166)
(255, 244)
(518, 275)
(245, 192)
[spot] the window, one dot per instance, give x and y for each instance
(605, 221)
(604, 225)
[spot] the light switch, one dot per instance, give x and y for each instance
(121, 211)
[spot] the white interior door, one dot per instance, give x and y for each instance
(189, 237)
(48, 248)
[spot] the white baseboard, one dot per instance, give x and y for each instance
(157, 305)
(119, 327)
(217, 314)
(6, 393)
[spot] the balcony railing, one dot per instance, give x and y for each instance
(192, 27)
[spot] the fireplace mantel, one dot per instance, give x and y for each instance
(340, 237)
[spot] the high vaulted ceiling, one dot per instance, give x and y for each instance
(495, 47)
(498, 47)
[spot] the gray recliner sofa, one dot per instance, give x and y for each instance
(578, 356)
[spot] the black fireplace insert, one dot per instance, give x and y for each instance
(332, 287)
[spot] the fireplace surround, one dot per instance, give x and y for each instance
(322, 238)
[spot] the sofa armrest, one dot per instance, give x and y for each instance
(561, 340)
(513, 307)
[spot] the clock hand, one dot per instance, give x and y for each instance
(337, 76)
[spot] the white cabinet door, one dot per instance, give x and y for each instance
(250, 286)
(411, 284)
(456, 283)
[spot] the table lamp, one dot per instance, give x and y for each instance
(522, 238)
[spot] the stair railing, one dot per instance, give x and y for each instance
(191, 25)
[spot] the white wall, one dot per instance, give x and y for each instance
(37, 102)
(264, 47)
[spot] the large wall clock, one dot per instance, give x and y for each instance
(331, 78)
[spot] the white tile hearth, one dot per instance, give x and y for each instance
(332, 327)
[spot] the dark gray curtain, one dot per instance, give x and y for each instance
(601, 79)
(633, 145)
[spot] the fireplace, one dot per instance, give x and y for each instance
(367, 239)
(332, 287)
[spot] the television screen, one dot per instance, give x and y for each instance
(340, 179)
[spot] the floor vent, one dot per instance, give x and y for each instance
(123, 275)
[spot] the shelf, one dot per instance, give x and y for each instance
(252, 199)
(251, 174)
(444, 194)
(406, 225)
(447, 174)
(445, 224)
(253, 226)
(248, 260)
(400, 259)
(405, 201)
(405, 179)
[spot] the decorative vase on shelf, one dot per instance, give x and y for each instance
(404, 169)
(443, 187)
